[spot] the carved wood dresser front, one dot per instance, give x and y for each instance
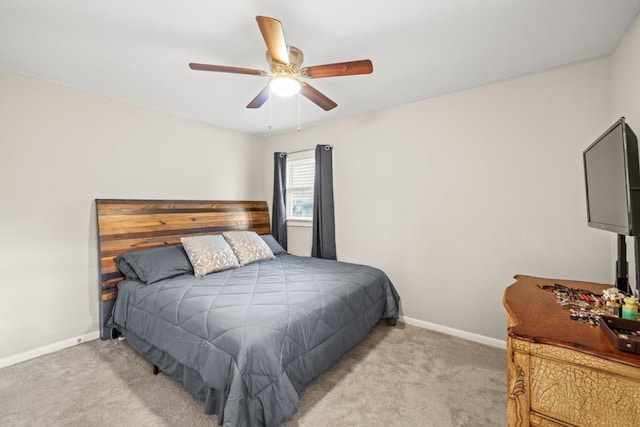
(563, 372)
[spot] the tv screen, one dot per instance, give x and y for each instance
(612, 177)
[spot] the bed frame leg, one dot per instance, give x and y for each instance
(391, 321)
(155, 370)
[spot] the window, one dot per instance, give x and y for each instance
(300, 175)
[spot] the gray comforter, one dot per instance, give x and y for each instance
(259, 334)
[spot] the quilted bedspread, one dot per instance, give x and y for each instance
(259, 333)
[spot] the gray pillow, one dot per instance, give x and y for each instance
(152, 265)
(273, 244)
(209, 253)
(248, 246)
(125, 268)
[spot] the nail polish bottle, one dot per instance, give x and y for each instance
(630, 308)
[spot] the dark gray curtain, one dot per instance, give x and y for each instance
(279, 210)
(324, 228)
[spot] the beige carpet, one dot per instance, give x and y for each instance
(402, 376)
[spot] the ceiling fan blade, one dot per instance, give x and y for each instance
(350, 68)
(273, 35)
(317, 97)
(260, 99)
(225, 69)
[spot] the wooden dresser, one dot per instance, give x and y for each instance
(562, 372)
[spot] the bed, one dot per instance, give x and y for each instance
(246, 341)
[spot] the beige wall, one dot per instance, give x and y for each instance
(626, 77)
(452, 196)
(626, 98)
(61, 148)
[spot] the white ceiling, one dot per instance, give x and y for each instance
(138, 50)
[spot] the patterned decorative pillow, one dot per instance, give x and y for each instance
(209, 253)
(248, 246)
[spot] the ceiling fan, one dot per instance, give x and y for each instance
(286, 74)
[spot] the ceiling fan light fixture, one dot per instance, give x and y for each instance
(284, 85)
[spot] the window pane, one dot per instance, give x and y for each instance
(302, 203)
(300, 176)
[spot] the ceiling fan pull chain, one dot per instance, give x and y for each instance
(299, 127)
(270, 97)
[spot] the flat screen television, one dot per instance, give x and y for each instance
(612, 177)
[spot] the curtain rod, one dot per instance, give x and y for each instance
(308, 149)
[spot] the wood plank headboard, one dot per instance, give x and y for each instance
(126, 225)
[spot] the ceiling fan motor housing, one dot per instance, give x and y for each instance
(295, 60)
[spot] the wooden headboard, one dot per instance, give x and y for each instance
(126, 225)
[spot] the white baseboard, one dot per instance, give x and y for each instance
(40, 351)
(493, 342)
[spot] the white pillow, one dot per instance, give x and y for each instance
(248, 246)
(209, 253)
